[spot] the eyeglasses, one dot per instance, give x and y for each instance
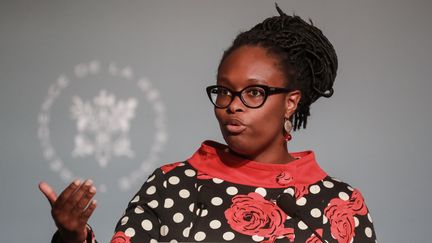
(253, 96)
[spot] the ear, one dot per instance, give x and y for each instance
(291, 101)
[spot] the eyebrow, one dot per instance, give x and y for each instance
(253, 80)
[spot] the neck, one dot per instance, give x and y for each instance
(275, 154)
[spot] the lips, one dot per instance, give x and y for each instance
(234, 126)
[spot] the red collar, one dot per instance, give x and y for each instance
(215, 160)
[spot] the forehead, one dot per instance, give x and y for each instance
(249, 65)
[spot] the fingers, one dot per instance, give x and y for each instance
(48, 192)
(88, 211)
(73, 207)
(64, 196)
(82, 197)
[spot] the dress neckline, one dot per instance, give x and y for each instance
(214, 160)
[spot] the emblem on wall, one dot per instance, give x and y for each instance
(103, 127)
(87, 119)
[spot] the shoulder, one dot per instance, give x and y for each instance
(170, 169)
(341, 196)
(336, 184)
(345, 206)
(337, 188)
(170, 174)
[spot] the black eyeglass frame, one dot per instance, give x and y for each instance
(267, 89)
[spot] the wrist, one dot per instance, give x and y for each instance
(73, 237)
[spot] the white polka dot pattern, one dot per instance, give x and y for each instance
(325, 220)
(315, 189)
(368, 232)
(328, 184)
(257, 238)
(139, 210)
(217, 201)
(232, 190)
(124, 220)
(200, 236)
(151, 178)
(301, 201)
(217, 180)
(186, 231)
(316, 213)
(151, 190)
(228, 236)
(135, 199)
(147, 225)
(178, 217)
(343, 196)
(168, 203)
(171, 211)
(261, 191)
(302, 225)
(174, 180)
(215, 224)
(130, 232)
(202, 212)
(164, 230)
(190, 173)
(191, 207)
(184, 193)
(289, 191)
(153, 204)
(356, 221)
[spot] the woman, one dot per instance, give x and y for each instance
(252, 189)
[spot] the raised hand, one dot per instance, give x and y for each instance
(72, 209)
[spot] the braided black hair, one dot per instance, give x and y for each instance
(307, 58)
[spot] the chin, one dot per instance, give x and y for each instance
(240, 145)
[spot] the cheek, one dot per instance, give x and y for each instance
(218, 114)
(267, 123)
(271, 115)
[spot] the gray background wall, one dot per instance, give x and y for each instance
(373, 133)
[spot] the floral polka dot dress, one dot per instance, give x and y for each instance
(216, 196)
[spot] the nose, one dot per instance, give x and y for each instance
(236, 105)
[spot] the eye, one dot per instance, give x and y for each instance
(222, 92)
(255, 92)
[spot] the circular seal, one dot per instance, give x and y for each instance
(102, 124)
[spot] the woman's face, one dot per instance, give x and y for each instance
(249, 131)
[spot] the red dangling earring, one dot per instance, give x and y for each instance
(288, 128)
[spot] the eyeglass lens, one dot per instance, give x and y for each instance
(251, 96)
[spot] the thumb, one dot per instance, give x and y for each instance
(48, 192)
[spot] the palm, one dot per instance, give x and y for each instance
(71, 209)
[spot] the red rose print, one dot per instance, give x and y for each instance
(284, 179)
(120, 237)
(341, 222)
(167, 168)
(253, 215)
(356, 203)
(300, 190)
(314, 238)
(341, 215)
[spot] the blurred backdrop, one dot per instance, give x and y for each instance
(110, 90)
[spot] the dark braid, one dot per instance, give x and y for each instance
(306, 56)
